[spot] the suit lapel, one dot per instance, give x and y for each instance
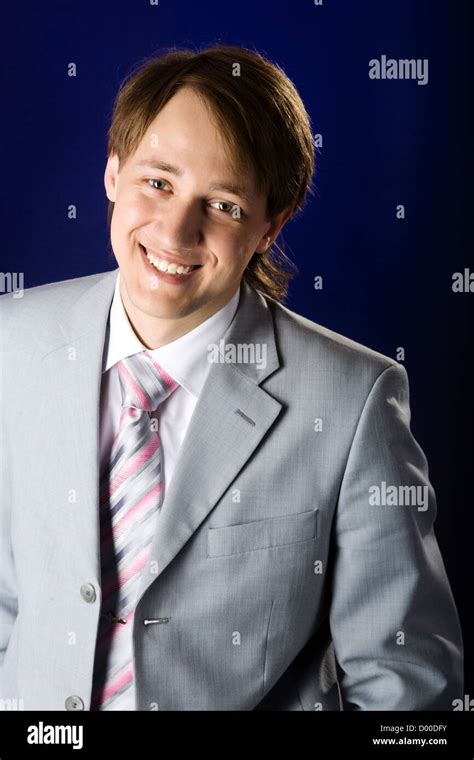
(70, 374)
(230, 419)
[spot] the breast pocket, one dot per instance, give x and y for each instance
(262, 534)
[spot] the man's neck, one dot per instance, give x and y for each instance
(155, 332)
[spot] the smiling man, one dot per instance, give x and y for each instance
(200, 533)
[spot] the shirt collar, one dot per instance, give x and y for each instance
(185, 359)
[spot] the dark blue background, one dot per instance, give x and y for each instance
(387, 282)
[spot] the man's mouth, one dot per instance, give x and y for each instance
(168, 267)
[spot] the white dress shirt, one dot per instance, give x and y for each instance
(186, 360)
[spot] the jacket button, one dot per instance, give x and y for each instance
(88, 592)
(74, 703)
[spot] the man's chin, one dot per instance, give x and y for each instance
(157, 305)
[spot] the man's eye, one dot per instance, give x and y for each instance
(156, 180)
(231, 209)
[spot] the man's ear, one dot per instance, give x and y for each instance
(111, 177)
(273, 230)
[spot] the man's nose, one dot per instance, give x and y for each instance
(179, 225)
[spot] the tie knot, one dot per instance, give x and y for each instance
(145, 385)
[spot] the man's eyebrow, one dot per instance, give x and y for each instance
(226, 187)
(152, 163)
(232, 188)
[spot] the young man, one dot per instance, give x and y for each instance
(190, 471)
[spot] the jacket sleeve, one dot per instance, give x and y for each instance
(8, 584)
(394, 623)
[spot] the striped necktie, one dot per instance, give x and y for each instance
(131, 485)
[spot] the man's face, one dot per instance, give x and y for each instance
(178, 200)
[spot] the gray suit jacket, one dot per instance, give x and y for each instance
(284, 582)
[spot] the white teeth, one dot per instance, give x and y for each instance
(163, 266)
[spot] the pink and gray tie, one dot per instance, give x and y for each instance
(130, 496)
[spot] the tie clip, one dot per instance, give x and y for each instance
(114, 619)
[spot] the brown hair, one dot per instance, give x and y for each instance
(262, 119)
